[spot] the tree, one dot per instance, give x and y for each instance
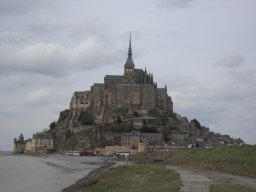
(136, 114)
(196, 123)
(52, 125)
(86, 118)
(153, 112)
(122, 127)
(119, 120)
(151, 129)
(121, 111)
(164, 119)
(68, 134)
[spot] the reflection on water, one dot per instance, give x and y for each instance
(43, 174)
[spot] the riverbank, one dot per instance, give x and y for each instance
(87, 179)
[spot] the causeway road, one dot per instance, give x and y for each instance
(199, 180)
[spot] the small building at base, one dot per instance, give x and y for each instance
(41, 143)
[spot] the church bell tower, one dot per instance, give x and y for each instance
(129, 67)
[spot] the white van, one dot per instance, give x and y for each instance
(70, 153)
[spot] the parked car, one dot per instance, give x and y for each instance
(208, 146)
(114, 155)
(76, 153)
(70, 153)
(86, 153)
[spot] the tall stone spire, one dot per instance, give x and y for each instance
(129, 67)
(129, 60)
(130, 47)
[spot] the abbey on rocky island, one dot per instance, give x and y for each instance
(134, 90)
(126, 113)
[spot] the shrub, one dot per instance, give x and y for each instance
(119, 120)
(148, 130)
(196, 122)
(68, 134)
(86, 118)
(122, 127)
(52, 125)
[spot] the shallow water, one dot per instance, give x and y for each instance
(19, 173)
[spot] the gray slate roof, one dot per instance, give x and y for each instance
(42, 136)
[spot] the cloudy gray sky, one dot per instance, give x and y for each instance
(205, 52)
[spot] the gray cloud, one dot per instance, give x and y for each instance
(54, 46)
(170, 4)
(71, 32)
(16, 7)
(231, 60)
(58, 60)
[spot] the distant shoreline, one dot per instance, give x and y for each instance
(2, 153)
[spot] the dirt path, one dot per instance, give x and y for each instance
(199, 180)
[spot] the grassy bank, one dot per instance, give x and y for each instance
(233, 159)
(133, 178)
(229, 187)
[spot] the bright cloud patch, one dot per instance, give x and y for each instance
(38, 96)
(56, 59)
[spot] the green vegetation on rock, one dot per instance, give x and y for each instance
(149, 129)
(121, 111)
(68, 134)
(68, 144)
(121, 127)
(52, 125)
(86, 118)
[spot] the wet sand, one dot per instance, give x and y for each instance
(50, 173)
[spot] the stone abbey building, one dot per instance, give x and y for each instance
(134, 90)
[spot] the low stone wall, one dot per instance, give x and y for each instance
(117, 149)
(111, 149)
